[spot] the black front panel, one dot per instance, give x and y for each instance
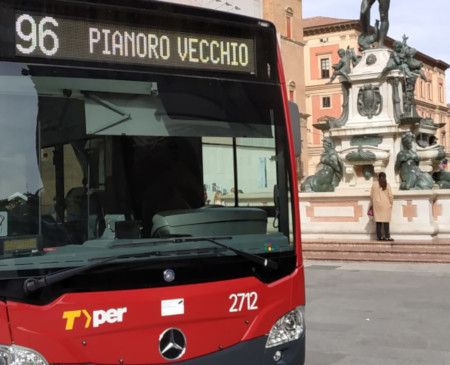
(254, 352)
(134, 275)
(60, 38)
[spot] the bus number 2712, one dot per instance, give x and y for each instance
(241, 301)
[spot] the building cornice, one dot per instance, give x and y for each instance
(355, 25)
(430, 105)
(323, 88)
(332, 28)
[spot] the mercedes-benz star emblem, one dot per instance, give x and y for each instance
(172, 344)
(169, 275)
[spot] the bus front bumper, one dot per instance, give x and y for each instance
(254, 352)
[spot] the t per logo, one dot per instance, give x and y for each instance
(96, 319)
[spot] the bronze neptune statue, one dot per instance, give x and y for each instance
(366, 6)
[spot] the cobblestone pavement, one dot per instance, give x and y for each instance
(375, 313)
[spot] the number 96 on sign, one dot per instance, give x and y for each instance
(37, 35)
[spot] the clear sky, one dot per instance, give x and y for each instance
(426, 23)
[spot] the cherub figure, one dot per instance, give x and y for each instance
(343, 67)
(415, 66)
(403, 59)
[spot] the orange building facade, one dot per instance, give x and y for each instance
(287, 17)
(323, 38)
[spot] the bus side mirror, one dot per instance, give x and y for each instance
(295, 126)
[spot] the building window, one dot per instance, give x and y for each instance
(429, 91)
(441, 92)
(289, 27)
(325, 68)
(289, 16)
(326, 102)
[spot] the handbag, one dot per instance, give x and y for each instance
(370, 212)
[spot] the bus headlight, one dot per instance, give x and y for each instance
(288, 328)
(16, 355)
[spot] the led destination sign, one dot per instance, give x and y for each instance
(68, 39)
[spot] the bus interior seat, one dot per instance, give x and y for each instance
(210, 221)
(160, 197)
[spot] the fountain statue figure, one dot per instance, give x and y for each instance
(347, 59)
(366, 6)
(331, 171)
(403, 59)
(443, 179)
(407, 164)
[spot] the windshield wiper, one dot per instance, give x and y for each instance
(249, 256)
(32, 285)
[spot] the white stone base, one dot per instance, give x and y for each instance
(442, 207)
(417, 216)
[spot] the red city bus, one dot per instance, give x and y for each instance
(148, 198)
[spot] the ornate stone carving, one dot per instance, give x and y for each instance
(361, 156)
(370, 101)
(367, 140)
(371, 60)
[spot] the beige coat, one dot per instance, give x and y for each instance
(382, 201)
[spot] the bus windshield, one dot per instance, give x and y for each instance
(94, 161)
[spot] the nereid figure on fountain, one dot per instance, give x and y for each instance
(331, 171)
(407, 164)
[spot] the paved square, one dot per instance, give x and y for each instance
(373, 313)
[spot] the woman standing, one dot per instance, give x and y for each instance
(382, 201)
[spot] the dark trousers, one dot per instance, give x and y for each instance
(385, 227)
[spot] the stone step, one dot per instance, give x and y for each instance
(374, 242)
(398, 251)
(394, 248)
(377, 256)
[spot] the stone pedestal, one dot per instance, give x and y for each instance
(416, 216)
